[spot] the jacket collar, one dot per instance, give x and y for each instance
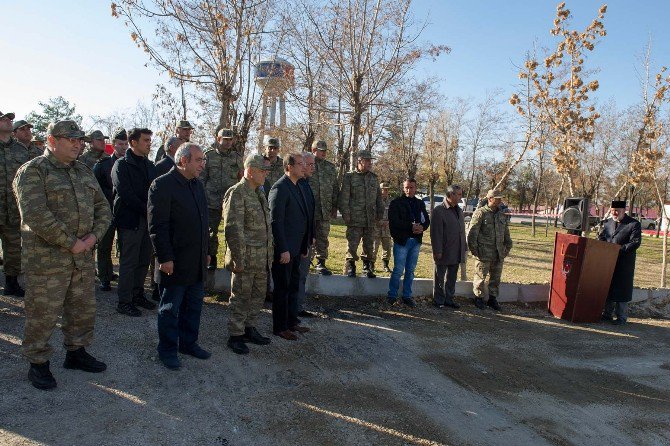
(134, 159)
(54, 161)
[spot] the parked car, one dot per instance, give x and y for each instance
(645, 222)
(438, 200)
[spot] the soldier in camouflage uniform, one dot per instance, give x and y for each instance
(325, 186)
(17, 151)
(490, 242)
(382, 232)
(223, 169)
(63, 214)
(360, 202)
(96, 149)
(249, 250)
(276, 162)
(38, 142)
(183, 131)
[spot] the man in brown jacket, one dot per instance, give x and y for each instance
(447, 237)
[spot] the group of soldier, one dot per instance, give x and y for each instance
(63, 205)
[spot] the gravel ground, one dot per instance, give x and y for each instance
(367, 373)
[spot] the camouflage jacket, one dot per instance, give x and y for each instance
(488, 237)
(247, 228)
(14, 155)
(275, 174)
(325, 187)
(383, 224)
(90, 157)
(59, 203)
(360, 199)
(220, 173)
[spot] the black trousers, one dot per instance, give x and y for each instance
(286, 278)
(444, 291)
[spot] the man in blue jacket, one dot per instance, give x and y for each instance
(131, 176)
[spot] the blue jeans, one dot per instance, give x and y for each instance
(179, 318)
(404, 259)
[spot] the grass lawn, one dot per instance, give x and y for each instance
(529, 262)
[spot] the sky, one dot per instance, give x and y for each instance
(76, 49)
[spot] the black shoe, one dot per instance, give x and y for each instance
(128, 309)
(171, 362)
(321, 268)
(236, 343)
(115, 277)
(105, 286)
(386, 268)
(305, 313)
(40, 376)
(409, 302)
(493, 303)
(618, 321)
(350, 268)
(607, 318)
(369, 270)
(252, 335)
(196, 351)
(212, 263)
(12, 287)
(141, 301)
(391, 300)
(452, 304)
(156, 294)
(479, 303)
(79, 359)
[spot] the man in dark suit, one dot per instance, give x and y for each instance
(178, 227)
(290, 221)
(447, 237)
(131, 176)
(627, 232)
(308, 162)
(168, 161)
(103, 173)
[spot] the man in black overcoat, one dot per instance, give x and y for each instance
(179, 230)
(625, 231)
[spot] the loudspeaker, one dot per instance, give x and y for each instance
(575, 216)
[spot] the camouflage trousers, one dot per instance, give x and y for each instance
(492, 269)
(247, 294)
(11, 249)
(383, 238)
(214, 223)
(354, 235)
(103, 256)
(47, 297)
(321, 232)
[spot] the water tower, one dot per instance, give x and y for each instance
(274, 77)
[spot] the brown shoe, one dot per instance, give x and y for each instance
(300, 329)
(286, 334)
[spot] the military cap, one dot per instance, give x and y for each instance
(120, 134)
(383, 186)
(21, 123)
(184, 124)
(96, 134)
(618, 204)
(7, 115)
(493, 193)
(319, 145)
(67, 129)
(257, 161)
(225, 134)
(365, 154)
(270, 141)
(37, 138)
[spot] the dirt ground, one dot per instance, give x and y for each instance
(367, 373)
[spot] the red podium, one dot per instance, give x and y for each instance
(580, 277)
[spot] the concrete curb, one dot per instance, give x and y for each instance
(361, 287)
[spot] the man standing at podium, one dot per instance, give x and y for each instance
(626, 232)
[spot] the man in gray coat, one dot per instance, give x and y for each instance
(447, 237)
